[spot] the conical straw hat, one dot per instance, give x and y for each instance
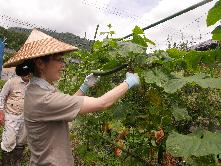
(38, 44)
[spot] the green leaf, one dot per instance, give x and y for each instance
(112, 43)
(155, 76)
(193, 59)
(109, 26)
(199, 144)
(177, 82)
(163, 80)
(112, 32)
(137, 30)
(117, 126)
(102, 33)
(205, 81)
(166, 120)
(129, 47)
(180, 113)
(199, 161)
(152, 59)
(120, 111)
(214, 14)
(175, 53)
(217, 33)
(209, 58)
(111, 64)
(97, 45)
(149, 41)
(174, 84)
(213, 83)
(201, 79)
(139, 40)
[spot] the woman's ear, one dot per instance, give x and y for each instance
(40, 67)
(39, 64)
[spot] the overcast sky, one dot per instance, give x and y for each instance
(80, 16)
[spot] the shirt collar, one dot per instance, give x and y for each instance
(42, 83)
(22, 81)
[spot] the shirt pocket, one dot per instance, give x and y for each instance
(18, 95)
(15, 106)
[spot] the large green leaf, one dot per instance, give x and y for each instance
(175, 84)
(217, 33)
(205, 81)
(199, 144)
(180, 114)
(213, 83)
(201, 79)
(125, 48)
(171, 85)
(155, 76)
(214, 14)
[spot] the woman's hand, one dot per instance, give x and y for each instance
(89, 82)
(132, 79)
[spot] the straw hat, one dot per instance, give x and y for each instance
(38, 44)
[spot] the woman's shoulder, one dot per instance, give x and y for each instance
(34, 89)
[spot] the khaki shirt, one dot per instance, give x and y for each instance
(12, 96)
(47, 113)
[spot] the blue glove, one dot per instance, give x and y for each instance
(89, 81)
(132, 79)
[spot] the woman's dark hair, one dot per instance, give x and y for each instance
(28, 66)
(22, 70)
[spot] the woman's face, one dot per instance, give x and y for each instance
(52, 70)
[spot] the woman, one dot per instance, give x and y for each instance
(48, 111)
(11, 115)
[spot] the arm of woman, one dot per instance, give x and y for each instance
(92, 104)
(61, 106)
(79, 93)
